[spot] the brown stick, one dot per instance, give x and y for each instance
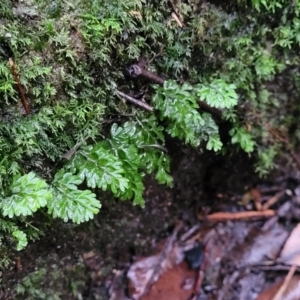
(21, 91)
(175, 17)
(285, 284)
(173, 6)
(162, 256)
(137, 70)
(135, 101)
(244, 215)
(212, 110)
(273, 200)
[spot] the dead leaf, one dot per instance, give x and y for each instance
(292, 291)
(290, 253)
(145, 272)
(173, 284)
(270, 292)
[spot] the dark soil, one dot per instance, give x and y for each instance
(79, 260)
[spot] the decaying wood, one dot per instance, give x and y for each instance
(139, 103)
(21, 91)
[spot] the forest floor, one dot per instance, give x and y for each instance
(176, 247)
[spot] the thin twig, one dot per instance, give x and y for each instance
(285, 284)
(173, 6)
(273, 200)
(21, 91)
(272, 266)
(155, 146)
(68, 155)
(185, 236)
(176, 13)
(139, 70)
(167, 248)
(136, 70)
(135, 101)
(212, 110)
(175, 17)
(244, 215)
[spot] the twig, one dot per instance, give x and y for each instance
(245, 215)
(21, 91)
(116, 290)
(135, 101)
(185, 236)
(285, 284)
(199, 279)
(256, 196)
(155, 146)
(273, 200)
(173, 6)
(167, 248)
(227, 283)
(272, 266)
(212, 110)
(156, 55)
(68, 155)
(175, 17)
(197, 286)
(282, 211)
(137, 70)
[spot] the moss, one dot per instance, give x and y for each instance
(69, 59)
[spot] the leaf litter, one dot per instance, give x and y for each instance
(231, 257)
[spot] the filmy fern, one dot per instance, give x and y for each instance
(70, 57)
(218, 94)
(70, 203)
(118, 163)
(29, 193)
(178, 104)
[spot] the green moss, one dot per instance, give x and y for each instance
(241, 58)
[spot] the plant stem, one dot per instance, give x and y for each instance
(136, 70)
(21, 91)
(142, 104)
